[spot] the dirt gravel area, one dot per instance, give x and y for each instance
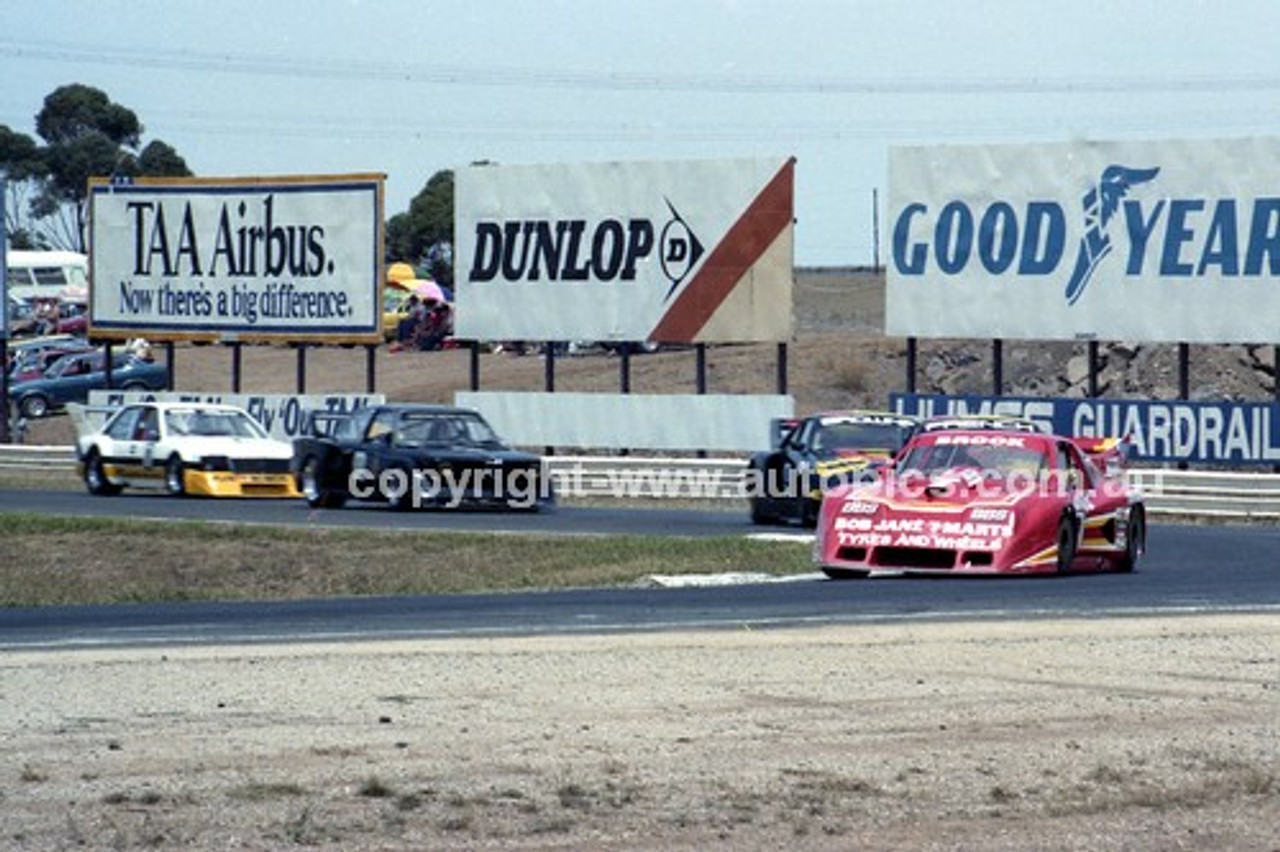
(1139, 734)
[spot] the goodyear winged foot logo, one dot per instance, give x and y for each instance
(1100, 204)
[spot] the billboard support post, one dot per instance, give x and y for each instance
(782, 369)
(1093, 368)
(474, 347)
(912, 347)
(1184, 371)
(302, 368)
(997, 367)
(235, 367)
(370, 367)
(624, 369)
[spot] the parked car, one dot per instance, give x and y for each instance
(33, 363)
(29, 358)
(820, 452)
(71, 377)
(185, 448)
(984, 501)
(410, 456)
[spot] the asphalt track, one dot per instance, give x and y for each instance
(1189, 569)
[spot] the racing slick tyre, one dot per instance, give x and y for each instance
(34, 407)
(1135, 542)
(810, 509)
(175, 481)
(310, 484)
(845, 573)
(95, 477)
(403, 500)
(759, 516)
(1067, 539)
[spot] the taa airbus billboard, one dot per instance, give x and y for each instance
(1173, 241)
(676, 252)
(279, 259)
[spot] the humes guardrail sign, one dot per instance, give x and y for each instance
(1236, 433)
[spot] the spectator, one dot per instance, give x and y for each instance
(437, 325)
(413, 317)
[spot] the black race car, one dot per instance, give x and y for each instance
(414, 456)
(819, 452)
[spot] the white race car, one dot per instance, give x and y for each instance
(185, 448)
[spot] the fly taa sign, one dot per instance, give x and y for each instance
(1175, 241)
(678, 252)
(294, 259)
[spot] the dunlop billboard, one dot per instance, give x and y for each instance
(679, 252)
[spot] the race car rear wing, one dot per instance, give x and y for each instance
(1111, 454)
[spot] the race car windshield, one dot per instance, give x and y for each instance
(995, 461)
(445, 430)
(213, 424)
(832, 439)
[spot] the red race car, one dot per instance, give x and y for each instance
(986, 502)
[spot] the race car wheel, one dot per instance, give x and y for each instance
(403, 501)
(95, 477)
(1136, 541)
(844, 573)
(175, 482)
(34, 406)
(758, 514)
(810, 511)
(1066, 543)
(312, 487)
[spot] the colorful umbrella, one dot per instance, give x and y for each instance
(426, 290)
(398, 272)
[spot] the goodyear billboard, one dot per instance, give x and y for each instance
(1174, 241)
(679, 252)
(288, 259)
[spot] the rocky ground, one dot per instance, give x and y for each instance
(1144, 735)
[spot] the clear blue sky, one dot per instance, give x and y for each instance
(407, 88)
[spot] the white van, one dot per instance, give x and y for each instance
(45, 274)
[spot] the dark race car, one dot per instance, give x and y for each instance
(817, 453)
(414, 456)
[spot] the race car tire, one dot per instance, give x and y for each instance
(175, 483)
(1067, 539)
(759, 516)
(1135, 542)
(34, 407)
(809, 513)
(95, 477)
(310, 484)
(845, 573)
(403, 501)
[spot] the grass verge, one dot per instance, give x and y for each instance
(61, 561)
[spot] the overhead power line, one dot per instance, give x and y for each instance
(425, 73)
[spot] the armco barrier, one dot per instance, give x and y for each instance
(1254, 496)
